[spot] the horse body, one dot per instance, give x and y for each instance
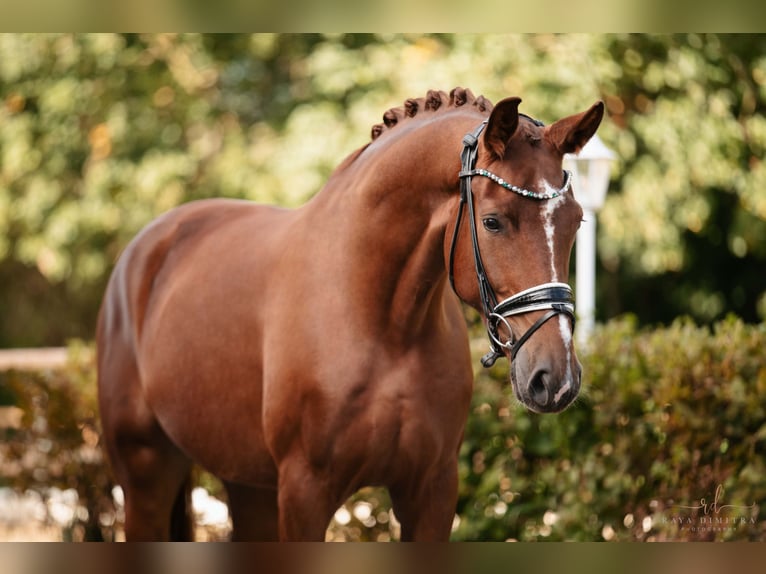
(297, 354)
(261, 339)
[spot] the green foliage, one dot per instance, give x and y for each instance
(667, 417)
(689, 111)
(101, 133)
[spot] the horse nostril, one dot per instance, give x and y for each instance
(538, 390)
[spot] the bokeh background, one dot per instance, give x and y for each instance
(100, 133)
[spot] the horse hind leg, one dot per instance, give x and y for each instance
(152, 471)
(181, 515)
(156, 481)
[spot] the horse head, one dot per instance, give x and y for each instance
(510, 259)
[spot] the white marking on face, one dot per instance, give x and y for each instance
(562, 391)
(551, 205)
(566, 338)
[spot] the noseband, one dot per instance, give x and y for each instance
(556, 298)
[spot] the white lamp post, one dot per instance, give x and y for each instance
(590, 180)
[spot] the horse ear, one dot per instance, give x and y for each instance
(570, 134)
(502, 123)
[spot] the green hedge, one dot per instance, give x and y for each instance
(667, 419)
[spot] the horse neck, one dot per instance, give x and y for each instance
(390, 208)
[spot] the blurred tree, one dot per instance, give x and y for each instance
(101, 133)
(685, 232)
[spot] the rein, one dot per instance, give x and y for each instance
(556, 298)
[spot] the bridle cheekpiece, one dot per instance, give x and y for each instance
(556, 298)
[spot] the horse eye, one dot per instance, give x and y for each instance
(491, 224)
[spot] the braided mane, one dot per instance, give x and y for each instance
(433, 100)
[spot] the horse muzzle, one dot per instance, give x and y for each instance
(547, 379)
(546, 389)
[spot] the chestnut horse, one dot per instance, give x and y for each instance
(299, 355)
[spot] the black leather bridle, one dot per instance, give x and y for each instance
(556, 298)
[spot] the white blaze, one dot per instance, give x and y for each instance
(551, 205)
(566, 338)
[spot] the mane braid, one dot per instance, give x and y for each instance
(433, 101)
